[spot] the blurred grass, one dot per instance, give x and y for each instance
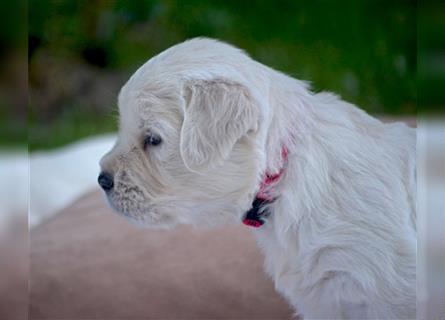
(363, 50)
(431, 58)
(70, 126)
(13, 132)
(13, 77)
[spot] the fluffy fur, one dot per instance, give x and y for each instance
(341, 240)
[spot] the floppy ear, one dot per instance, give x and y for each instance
(217, 114)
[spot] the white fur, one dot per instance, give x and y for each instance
(341, 240)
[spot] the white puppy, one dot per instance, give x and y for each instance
(204, 130)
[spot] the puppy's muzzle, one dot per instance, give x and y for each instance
(106, 181)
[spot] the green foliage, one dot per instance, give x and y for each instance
(431, 57)
(364, 50)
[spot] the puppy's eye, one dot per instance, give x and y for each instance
(152, 140)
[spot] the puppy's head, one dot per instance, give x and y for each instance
(187, 149)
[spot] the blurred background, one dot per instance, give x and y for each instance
(82, 52)
(431, 159)
(14, 173)
(58, 94)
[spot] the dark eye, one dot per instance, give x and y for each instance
(152, 140)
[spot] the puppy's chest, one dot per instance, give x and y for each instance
(280, 263)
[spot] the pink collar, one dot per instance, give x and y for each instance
(255, 217)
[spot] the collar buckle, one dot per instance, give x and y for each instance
(255, 217)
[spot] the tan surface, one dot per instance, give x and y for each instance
(14, 269)
(88, 263)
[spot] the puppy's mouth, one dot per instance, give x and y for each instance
(140, 213)
(129, 208)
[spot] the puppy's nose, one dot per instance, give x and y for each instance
(105, 180)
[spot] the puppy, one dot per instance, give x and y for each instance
(209, 136)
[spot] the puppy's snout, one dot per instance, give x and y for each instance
(105, 180)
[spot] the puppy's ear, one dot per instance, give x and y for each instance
(217, 114)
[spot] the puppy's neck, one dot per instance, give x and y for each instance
(291, 117)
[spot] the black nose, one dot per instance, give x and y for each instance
(105, 181)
